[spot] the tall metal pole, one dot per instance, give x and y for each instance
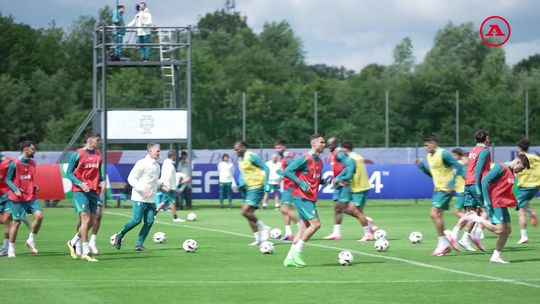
(243, 116)
(527, 114)
(188, 98)
(315, 114)
(457, 118)
(386, 132)
(104, 107)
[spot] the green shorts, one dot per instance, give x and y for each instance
(4, 206)
(471, 198)
(253, 197)
(273, 187)
(459, 201)
(85, 201)
(342, 194)
(20, 209)
(167, 198)
(498, 215)
(306, 209)
(286, 197)
(525, 195)
(441, 200)
(359, 198)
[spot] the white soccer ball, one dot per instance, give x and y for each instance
(267, 247)
(379, 234)
(190, 245)
(111, 239)
(159, 237)
(345, 258)
(191, 216)
(275, 233)
(415, 237)
(382, 245)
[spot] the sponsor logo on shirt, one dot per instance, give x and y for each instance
(91, 165)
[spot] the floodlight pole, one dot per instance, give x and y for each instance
(386, 132)
(244, 116)
(527, 114)
(457, 118)
(315, 115)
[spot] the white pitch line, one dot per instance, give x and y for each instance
(278, 282)
(411, 262)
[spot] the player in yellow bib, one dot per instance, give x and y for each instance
(254, 182)
(527, 186)
(443, 169)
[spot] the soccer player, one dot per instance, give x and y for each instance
(166, 196)
(305, 173)
(84, 171)
(498, 196)
(443, 169)
(527, 186)
(144, 178)
(459, 207)
(359, 190)
(254, 179)
(22, 196)
(5, 214)
(274, 180)
(286, 196)
(342, 188)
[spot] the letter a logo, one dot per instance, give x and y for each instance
(495, 30)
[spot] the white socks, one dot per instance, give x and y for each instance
(5, 244)
(85, 248)
(288, 230)
(75, 239)
(496, 255)
(299, 245)
(337, 230)
(465, 237)
(524, 234)
(443, 242)
(31, 238)
(455, 232)
(257, 236)
(260, 225)
(78, 248)
(367, 230)
(93, 239)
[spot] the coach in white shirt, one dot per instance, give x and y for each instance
(144, 178)
(226, 179)
(274, 181)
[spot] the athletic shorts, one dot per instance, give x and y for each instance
(459, 200)
(306, 209)
(498, 215)
(20, 209)
(441, 200)
(359, 198)
(286, 197)
(4, 206)
(525, 195)
(342, 194)
(273, 187)
(253, 197)
(85, 201)
(168, 198)
(471, 198)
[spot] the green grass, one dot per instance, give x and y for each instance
(226, 270)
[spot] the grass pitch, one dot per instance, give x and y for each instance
(226, 270)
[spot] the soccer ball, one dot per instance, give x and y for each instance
(380, 234)
(415, 237)
(159, 237)
(275, 233)
(267, 247)
(111, 239)
(382, 245)
(345, 258)
(190, 245)
(191, 216)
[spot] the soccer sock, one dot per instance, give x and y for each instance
(476, 218)
(367, 230)
(289, 254)
(5, 244)
(257, 236)
(465, 237)
(524, 234)
(288, 230)
(11, 247)
(496, 254)
(75, 239)
(260, 224)
(78, 248)
(337, 230)
(299, 245)
(31, 238)
(85, 248)
(443, 241)
(93, 239)
(455, 232)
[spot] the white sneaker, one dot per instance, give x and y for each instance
(93, 248)
(178, 220)
(3, 251)
(522, 241)
(498, 260)
(32, 247)
(333, 237)
(255, 243)
(265, 233)
(11, 254)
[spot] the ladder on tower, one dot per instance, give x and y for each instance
(167, 71)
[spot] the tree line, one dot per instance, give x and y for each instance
(46, 85)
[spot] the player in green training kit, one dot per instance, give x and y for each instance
(359, 190)
(497, 188)
(288, 185)
(254, 179)
(84, 171)
(23, 196)
(443, 169)
(527, 186)
(305, 172)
